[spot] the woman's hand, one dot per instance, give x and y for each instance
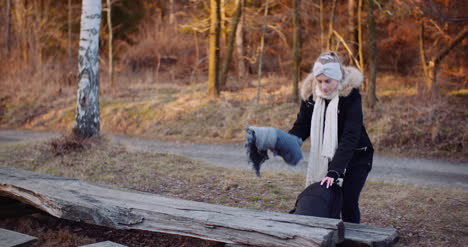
(328, 181)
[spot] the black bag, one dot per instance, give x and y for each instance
(317, 200)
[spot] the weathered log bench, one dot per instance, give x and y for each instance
(15, 239)
(77, 200)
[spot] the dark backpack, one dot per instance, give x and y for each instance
(317, 200)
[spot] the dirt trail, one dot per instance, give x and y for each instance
(385, 168)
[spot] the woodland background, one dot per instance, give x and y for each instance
(158, 88)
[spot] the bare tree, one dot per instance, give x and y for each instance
(213, 65)
(431, 67)
(330, 25)
(7, 26)
(87, 118)
(171, 13)
(322, 28)
(240, 45)
(262, 44)
(296, 48)
(111, 53)
(232, 34)
(352, 26)
(69, 22)
(360, 41)
(371, 90)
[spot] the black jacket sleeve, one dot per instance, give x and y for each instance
(301, 127)
(352, 127)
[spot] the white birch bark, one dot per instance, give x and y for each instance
(87, 120)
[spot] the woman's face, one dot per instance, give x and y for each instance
(326, 85)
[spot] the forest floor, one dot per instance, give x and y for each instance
(425, 216)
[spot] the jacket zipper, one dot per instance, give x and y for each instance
(361, 149)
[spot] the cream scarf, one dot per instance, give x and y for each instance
(323, 142)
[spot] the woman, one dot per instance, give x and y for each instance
(331, 114)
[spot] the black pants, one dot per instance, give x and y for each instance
(355, 178)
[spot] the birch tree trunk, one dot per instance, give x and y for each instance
(213, 65)
(87, 119)
(240, 45)
(371, 90)
(296, 48)
(232, 34)
(111, 39)
(7, 28)
(262, 44)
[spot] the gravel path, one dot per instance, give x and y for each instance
(385, 168)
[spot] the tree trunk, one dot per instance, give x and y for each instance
(111, 53)
(232, 34)
(171, 13)
(7, 27)
(240, 46)
(87, 119)
(371, 90)
(322, 28)
(330, 26)
(422, 55)
(213, 67)
(69, 38)
(296, 49)
(352, 26)
(262, 44)
(360, 42)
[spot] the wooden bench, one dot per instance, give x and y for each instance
(15, 239)
(104, 244)
(77, 200)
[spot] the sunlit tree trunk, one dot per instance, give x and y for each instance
(330, 26)
(240, 45)
(7, 27)
(352, 26)
(262, 44)
(360, 42)
(371, 90)
(87, 119)
(296, 48)
(422, 53)
(322, 25)
(171, 13)
(111, 39)
(232, 34)
(213, 65)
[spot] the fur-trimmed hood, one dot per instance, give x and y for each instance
(352, 79)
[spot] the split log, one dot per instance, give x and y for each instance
(77, 200)
(359, 235)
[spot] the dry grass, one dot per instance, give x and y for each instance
(425, 216)
(402, 123)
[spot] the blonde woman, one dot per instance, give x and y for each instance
(331, 115)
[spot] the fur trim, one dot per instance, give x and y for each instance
(353, 79)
